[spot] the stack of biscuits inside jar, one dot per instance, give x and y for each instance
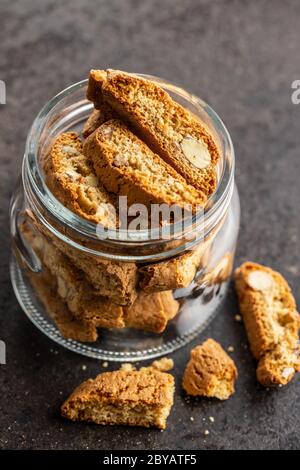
(103, 211)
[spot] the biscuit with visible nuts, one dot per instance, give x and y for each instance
(169, 129)
(210, 372)
(271, 321)
(123, 397)
(71, 178)
(127, 167)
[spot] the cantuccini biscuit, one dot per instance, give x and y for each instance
(71, 178)
(210, 372)
(113, 279)
(70, 327)
(152, 312)
(81, 298)
(169, 129)
(174, 273)
(96, 118)
(271, 321)
(149, 312)
(123, 397)
(127, 167)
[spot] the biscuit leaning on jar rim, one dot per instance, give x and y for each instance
(164, 125)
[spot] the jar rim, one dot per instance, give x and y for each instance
(32, 173)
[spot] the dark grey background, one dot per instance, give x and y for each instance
(240, 56)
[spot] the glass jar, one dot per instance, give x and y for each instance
(198, 302)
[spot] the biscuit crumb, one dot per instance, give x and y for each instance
(83, 367)
(206, 432)
(238, 318)
(211, 419)
(230, 348)
(127, 367)
(164, 364)
(191, 418)
(105, 364)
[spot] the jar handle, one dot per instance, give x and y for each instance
(22, 248)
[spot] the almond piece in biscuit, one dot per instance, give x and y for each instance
(210, 372)
(127, 167)
(152, 312)
(168, 129)
(123, 397)
(71, 178)
(174, 273)
(271, 321)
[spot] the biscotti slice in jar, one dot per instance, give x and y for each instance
(174, 273)
(271, 320)
(123, 397)
(169, 129)
(126, 166)
(210, 372)
(70, 327)
(96, 118)
(71, 178)
(152, 312)
(113, 279)
(81, 298)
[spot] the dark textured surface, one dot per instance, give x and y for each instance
(239, 56)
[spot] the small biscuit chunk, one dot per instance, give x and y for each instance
(113, 279)
(96, 118)
(123, 397)
(45, 287)
(71, 178)
(152, 312)
(164, 364)
(127, 167)
(210, 372)
(81, 298)
(271, 320)
(169, 129)
(174, 273)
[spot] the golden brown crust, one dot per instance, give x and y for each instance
(71, 178)
(152, 312)
(174, 273)
(271, 321)
(81, 298)
(210, 372)
(70, 327)
(123, 397)
(113, 279)
(161, 122)
(127, 167)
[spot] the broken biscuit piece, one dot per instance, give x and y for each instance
(210, 372)
(271, 320)
(168, 128)
(123, 397)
